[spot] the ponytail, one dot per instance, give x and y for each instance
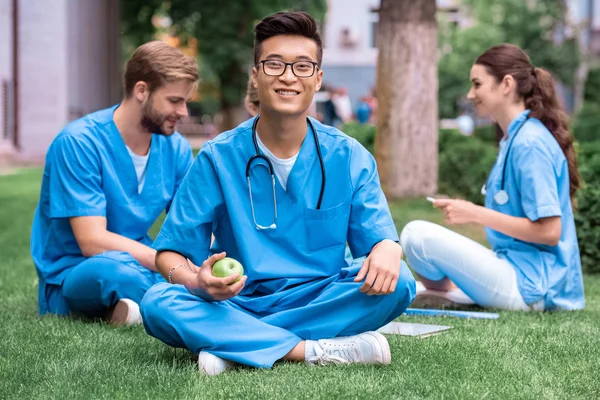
(536, 87)
(544, 106)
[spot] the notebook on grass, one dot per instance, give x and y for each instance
(411, 329)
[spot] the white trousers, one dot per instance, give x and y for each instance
(435, 252)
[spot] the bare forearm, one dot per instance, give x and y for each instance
(107, 241)
(523, 229)
(167, 260)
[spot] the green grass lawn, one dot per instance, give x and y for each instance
(521, 355)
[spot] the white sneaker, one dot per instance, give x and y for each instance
(125, 312)
(366, 348)
(211, 364)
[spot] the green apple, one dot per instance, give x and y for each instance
(227, 266)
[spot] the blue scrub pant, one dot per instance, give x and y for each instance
(333, 307)
(98, 283)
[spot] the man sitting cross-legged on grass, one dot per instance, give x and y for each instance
(108, 176)
(300, 300)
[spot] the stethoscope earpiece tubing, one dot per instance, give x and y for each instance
(504, 164)
(258, 155)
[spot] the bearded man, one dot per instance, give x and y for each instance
(107, 178)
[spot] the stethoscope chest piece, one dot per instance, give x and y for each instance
(501, 198)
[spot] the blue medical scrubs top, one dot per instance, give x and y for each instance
(537, 182)
(88, 172)
(308, 244)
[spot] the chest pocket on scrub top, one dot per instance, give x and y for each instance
(326, 228)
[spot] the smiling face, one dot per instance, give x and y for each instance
(488, 95)
(287, 94)
(162, 108)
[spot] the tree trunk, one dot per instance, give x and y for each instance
(232, 117)
(406, 145)
(580, 80)
(234, 83)
(585, 51)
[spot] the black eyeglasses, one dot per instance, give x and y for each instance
(302, 69)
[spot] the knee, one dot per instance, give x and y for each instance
(153, 306)
(415, 235)
(126, 280)
(412, 234)
(108, 266)
(406, 289)
(160, 302)
(125, 273)
(155, 301)
(161, 309)
(403, 294)
(409, 285)
(391, 306)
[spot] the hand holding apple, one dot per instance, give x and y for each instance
(226, 267)
(213, 288)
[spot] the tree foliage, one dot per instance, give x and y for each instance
(539, 27)
(223, 30)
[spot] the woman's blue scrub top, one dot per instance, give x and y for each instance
(89, 172)
(308, 244)
(537, 182)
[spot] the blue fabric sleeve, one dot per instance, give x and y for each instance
(75, 179)
(537, 182)
(197, 205)
(185, 159)
(370, 217)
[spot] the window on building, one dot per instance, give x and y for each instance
(374, 34)
(374, 17)
(321, 30)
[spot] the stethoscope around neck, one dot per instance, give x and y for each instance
(501, 197)
(259, 156)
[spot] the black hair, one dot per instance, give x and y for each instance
(287, 23)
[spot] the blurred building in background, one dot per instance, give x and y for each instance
(350, 41)
(59, 60)
(350, 51)
(587, 12)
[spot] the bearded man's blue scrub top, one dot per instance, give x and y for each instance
(299, 284)
(89, 172)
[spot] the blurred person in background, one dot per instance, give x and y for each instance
(363, 111)
(330, 114)
(534, 261)
(107, 178)
(343, 106)
(371, 100)
(251, 101)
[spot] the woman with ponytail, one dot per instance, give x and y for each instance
(534, 262)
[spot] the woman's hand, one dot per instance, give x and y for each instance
(458, 212)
